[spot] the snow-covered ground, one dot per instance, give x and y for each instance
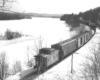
(50, 30)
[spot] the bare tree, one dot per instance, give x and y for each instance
(91, 67)
(30, 60)
(3, 66)
(38, 44)
(6, 4)
(17, 67)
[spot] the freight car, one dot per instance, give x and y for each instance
(65, 47)
(46, 58)
(49, 56)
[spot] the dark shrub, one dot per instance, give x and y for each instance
(11, 35)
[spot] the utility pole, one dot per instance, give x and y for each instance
(72, 70)
(72, 64)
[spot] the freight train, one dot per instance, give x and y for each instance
(48, 57)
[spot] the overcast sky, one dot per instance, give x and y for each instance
(55, 6)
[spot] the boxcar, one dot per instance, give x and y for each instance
(86, 37)
(81, 40)
(91, 33)
(69, 47)
(66, 47)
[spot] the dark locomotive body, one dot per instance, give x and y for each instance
(49, 56)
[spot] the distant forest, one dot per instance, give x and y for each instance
(18, 16)
(14, 16)
(90, 17)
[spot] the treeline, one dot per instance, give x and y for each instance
(89, 17)
(14, 16)
(17, 16)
